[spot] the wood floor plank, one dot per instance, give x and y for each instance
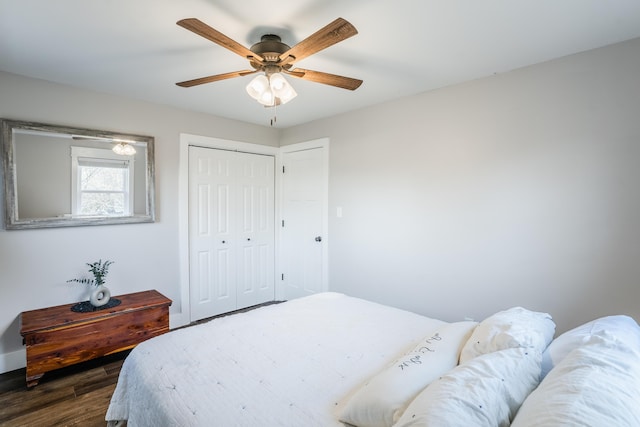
(59, 399)
(96, 383)
(12, 380)
(66, 380)
(12, 405)
(113, 367)
(50, 392)
(87, 410)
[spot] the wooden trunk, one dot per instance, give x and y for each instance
(57, 337)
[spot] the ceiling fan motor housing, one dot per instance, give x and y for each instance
(270, 47)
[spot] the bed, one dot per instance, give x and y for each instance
(334, 360)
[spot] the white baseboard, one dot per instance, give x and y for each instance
(177, 320)
(12, 361)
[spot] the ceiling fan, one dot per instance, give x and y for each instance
(274, 58)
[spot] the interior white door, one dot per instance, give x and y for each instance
(231, 232)
(303, 233)
(255, 230)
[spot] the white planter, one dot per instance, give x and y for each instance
(100, 296)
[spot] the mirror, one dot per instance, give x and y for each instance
(56, 176)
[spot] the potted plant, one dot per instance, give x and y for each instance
(101, 294)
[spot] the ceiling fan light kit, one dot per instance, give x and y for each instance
(270, 90)
(274, 58)
(124, 149)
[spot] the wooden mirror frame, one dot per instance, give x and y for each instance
(10, 179)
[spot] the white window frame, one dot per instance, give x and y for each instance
(99, 154)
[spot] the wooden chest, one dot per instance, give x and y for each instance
(57, 337)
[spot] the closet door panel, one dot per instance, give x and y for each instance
(212, 272)
(231, 229)
(256, 270)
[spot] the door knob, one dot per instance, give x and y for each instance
(319, 239)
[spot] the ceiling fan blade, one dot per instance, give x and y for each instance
(196, 26)
(335, 32)
(325, 78)
(215, 78)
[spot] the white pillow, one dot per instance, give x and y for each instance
(595, 385)
(512, 328)
(623, 327)
(486, 391)
(380, 402)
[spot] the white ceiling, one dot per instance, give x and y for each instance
(134, 47)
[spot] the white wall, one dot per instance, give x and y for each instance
(518, 189)
(35, 264)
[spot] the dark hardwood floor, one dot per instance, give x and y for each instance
(75, 396)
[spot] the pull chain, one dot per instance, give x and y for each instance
(275, 113)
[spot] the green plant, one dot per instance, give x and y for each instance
(99, 270)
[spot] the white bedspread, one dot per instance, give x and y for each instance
(290, 364)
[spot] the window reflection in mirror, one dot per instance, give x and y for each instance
(102, 182)
(58, 176)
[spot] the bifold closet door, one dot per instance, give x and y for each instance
(231, 231)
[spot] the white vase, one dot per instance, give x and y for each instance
(100, 296)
